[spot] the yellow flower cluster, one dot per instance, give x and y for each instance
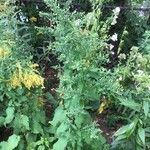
(15, 80)
(4, 52)
(28, 79)
(32, 80)
(33, 19)
(2, 6)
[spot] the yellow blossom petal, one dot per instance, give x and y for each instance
(33, 19)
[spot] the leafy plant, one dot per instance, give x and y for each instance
(21, 96)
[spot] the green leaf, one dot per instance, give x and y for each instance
(62, 128)
(40, 116)
(141, 133)
(2, 120)
(10, 115)
(21, 122)
(24, 121)
(36, 127)
(131, 104)
(13, 141)
(3, 145)
(58, 117)
(122, 130)
(41, 147)
(128, 129)
(60, 144)
(146, 108)
(11, 144)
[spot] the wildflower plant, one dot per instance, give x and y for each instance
(21, 96)
(82, 48)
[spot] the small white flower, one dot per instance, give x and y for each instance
(114, 20)
(77, 22)
(120, 78)
(138, 65)
(141, 13)
(122, 56)
(111, 46)
(116, 13)
(114, 37)
(112, 53)
(140, 72)
(116, 10)
(22, 18)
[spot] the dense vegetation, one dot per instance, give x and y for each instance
(98, 56)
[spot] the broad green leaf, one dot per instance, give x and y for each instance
(40, 116)
(131, 104)
(62, 128)
(3, 145)
(10, 114)
(122, 130)
(128, 129)
(41, 147)
(58, 117)
(21, 123)
(120, 137)
(146, 108)
(141, 133)
(36, 127)
(11, 144)
(13, 141)
(24, 121)
(60, 144)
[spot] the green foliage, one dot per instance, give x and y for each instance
(135, 96)
(81, 43)
(21, 95)
(87, 42)
(11, 144)
(82, 80)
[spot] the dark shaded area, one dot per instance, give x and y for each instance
(5, 133)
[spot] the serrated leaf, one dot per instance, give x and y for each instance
(10, 115)
(21, 122)
(25, 121)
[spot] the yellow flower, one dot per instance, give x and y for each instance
(15, 81)
(29, 79)
(32, 80)
(4, 52)
(34, 65)
(103, 106)
(33, 19)
(2, 7)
